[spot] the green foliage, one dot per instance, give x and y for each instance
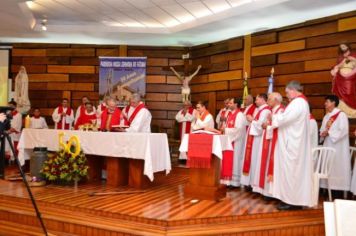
(61, 166)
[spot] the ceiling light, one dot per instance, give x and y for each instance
(30, 4)
(44, 24)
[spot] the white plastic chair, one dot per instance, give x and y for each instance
(323, 157)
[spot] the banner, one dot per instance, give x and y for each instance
(120, 77)
(4, 74)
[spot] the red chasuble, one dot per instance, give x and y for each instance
(84, 119)
(228, 155)
(266, 153)
(187, 123)
(115, 118)
(249, 146)
(68, 113)
(129, 120)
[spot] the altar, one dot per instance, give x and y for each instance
(131, 157)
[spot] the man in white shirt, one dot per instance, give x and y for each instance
(38, 122)
(253, 140)
(138, 117)
(63, 116)
(334, 132)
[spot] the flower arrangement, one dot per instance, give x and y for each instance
(68, 164)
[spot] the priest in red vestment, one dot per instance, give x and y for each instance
(111, 116)
(86, 117)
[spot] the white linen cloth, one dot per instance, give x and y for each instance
(220, 144)
(150, 147)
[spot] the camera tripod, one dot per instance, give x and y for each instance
(4, 136)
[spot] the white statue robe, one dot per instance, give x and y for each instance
(67, 120)
(237, 136)
(201, 124)
(255, 129)
(142, 121)
(293, 166)
(38, 123)
(338, 138)
(314, 134)
(268, 186)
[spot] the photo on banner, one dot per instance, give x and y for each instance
(120, 77)
(4, 74)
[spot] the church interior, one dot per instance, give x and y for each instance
(68, 60)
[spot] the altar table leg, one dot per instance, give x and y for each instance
(136, 177)
(95, 164)
(117, 171)
(205, 183)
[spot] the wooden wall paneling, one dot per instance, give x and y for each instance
(331, 39)
(168, 88)
(222, 95)
(221, 47)
(71, 86)
(230, 56)
(44, 61)
(279, 69)
(67, 94)
(84, 78)
(73, 52)
(346, 24)
(48, 78)
(172, 79)
(264, 60)
(322, 64)
(107, 52)
(93, 96)
(210, 87)
(212, 103)
(199, 79)
(174, 97)
(71, 69)
(156, 97)
(200, 97)
(262, 39)
(28, 52)
(156, 79)
(228, 75)
(308, 31)
(310, 54)
(176, 62)
(278, 48)
(165, 106)
(30, 68)
(85, 61)
(235, 65)
(157, 61)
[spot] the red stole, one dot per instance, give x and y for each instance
(126, 121)
(134, 113)
(249, 144)
(311, 117)
(224, 113)
(84, 119)
(115, 118)
(228, 155)
(199, 150)
(331, 120)
(251, 110)
(187, 124)
(265, 153)
(68, 113)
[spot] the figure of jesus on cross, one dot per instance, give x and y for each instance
(185, 82)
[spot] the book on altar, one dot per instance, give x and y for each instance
(120, 126)
(201, 131)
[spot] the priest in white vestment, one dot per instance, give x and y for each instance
(237, 135)
(222, 115)
(253, 140)
(334, 132)
(37, 121)
(203, 120)
(63, 116)
(185, 117)
(263, 181)
(293, 167)
(138, 116)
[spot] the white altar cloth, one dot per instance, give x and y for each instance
(151, 147)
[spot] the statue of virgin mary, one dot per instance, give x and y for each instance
(21, 91)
